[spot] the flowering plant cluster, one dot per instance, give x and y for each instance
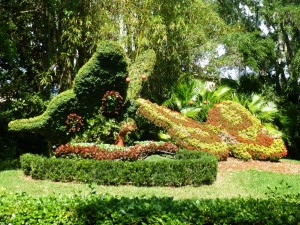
(74, 123)
(230, 129)
(187, 132)
(112, 102)
(139, 151)
(251, 141)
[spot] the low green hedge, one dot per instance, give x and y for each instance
(196, 171)
(21, 208)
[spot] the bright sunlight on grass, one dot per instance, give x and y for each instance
(228, 185)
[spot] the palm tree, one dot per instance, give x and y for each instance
(266, 111)
(260, 107)
(183, 97)
(192, 98)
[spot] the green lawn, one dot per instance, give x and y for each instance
(229, 184)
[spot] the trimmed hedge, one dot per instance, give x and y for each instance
(21, 208)
(52, 123)
(105, 71)
(196, 170)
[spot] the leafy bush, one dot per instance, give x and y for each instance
(139, 151)
(229, 127)
(98, 129)
(9, 164)
(52, 123)
(177, 172)
(79, 209)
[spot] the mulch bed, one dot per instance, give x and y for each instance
(233, 164)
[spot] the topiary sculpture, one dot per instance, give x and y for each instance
(106, 70)
(230, 129)
(140, 71)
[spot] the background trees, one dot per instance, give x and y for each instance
(266, 49)
(44, 43)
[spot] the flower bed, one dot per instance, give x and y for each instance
(110, 152)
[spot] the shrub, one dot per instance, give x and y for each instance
(52, 123)
(177, 172)
(105, 71)
(98, 129)
(79, 209)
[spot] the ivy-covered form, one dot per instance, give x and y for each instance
(140, 71)
(230, 129)
(106, 70)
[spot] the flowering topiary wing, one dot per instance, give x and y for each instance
(246, 136)
(230, 128)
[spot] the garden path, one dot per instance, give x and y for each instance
(284, 167)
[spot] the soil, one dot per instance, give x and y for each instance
(233, 164)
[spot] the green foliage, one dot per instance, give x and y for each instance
(143, 65)
(202, 170)
(98, 129)
(9, 164)
(52, 123)
(27, 105)
(192, 98)
(106, 70)
(229, 127)
(255, 51)
(21, 208)
(261, 108)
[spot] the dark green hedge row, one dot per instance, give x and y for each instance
(106, 209)
(177, 172)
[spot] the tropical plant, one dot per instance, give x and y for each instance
(193, 98)
(258, 105)
(184, 97)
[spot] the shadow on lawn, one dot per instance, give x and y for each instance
(12, 164)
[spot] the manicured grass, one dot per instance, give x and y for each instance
(251, 183)
(290, 161)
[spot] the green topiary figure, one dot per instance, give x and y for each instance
(105, 71)
(139, 72)
(230, 129)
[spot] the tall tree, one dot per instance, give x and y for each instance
(268, 44)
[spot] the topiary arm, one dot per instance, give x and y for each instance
(140, 70)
